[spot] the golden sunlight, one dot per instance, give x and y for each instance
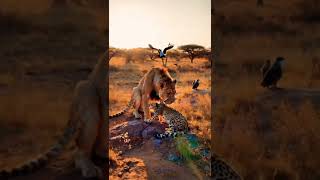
(136, 23)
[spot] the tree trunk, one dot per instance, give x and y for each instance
(191, 56)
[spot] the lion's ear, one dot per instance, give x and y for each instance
(174, 81)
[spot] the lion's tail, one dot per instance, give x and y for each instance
(69, 133)
(123, 111)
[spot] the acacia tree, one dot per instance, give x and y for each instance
(113, 52)
(151, 54)
(192, 50)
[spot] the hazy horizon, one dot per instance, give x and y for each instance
(137, 23)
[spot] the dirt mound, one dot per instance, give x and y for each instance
(148, 162)
(135, 151)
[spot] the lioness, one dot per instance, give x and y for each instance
(156, 84)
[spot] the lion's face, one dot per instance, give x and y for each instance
(167, 90)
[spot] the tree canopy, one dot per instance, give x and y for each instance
(192, 50)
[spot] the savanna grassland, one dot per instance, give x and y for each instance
(45, 49)
(194, 105)
(268, 134)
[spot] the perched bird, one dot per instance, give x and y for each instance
(265, 67)
(195, 84)
(162, 54)
(274, 74)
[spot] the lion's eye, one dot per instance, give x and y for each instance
(161, 85)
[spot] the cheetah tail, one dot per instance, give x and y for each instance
(124, 111)
(43, 159)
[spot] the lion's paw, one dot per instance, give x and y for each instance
(137, 115)
(148, 121)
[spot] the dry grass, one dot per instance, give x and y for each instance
(196, 107)
(266, 139)
(44, 52)
(289, 146)
(35, 109)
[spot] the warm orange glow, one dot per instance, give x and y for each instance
(136, 23)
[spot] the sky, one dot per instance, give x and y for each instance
(137, 23)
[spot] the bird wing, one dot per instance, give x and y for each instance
(195, 84)
(265, 68)
(278, 72)
(273, 74)
(167, 48)
(150, 46)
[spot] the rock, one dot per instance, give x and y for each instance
(133, 128)
(157, 142)
(126, 135)
(150, 132)
(117, 143)
(154, 128)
